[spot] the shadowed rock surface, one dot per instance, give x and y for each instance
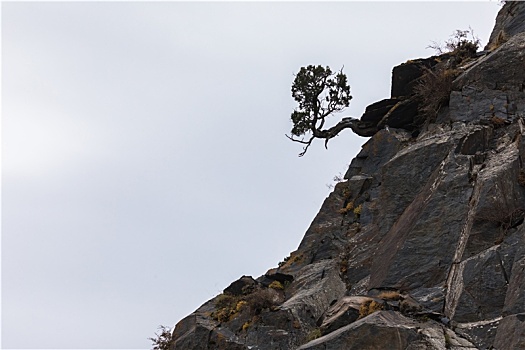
(422, 246)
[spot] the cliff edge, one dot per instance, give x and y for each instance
(423, 245)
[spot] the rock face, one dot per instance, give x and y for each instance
(422, 246)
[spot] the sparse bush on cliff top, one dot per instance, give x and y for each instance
(163, 339)
(462, 43)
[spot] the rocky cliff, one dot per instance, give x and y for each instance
(423, 245)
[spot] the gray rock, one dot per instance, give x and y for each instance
(241, 286)
(510, 21)
(511, 333)
(484, 288)
(481, 333)
(342, 313)
(515, 297)
(405, 76)
(314, 289)
(377, 110)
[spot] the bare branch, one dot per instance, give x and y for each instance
(297, 140)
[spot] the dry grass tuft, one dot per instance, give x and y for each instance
(368, 307)
(433, 91)
(390, 295)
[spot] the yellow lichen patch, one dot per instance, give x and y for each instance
(357, 210)
(227, 306)
(276, 285)
(347, 208)
(290, 260)
(240, 305)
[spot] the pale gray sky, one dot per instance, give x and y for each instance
(144, 163)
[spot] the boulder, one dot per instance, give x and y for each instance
(377, 110)
(241, 286)
(511, 333)
(406, 75)
(510, 21)
(343, 312)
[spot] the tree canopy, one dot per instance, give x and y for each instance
(319, 93)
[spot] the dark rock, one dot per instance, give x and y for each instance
(511, 333)
(377, 110)
(471, 105)
(382, 147)
(241, 286)
(342, 313)
(275, 275)
(406, 75)
(431, 298)
(481, 334)
(484, 287)
(402, 115)
(515, 298)
(314, 289)
(475, 142)
(510, 21)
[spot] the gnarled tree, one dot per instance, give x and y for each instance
(319, 93)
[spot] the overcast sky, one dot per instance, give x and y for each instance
(144, 162)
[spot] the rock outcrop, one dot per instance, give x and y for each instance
(423, 245)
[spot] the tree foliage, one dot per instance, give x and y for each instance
(163, 339)
(319, 93)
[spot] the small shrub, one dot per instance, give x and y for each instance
(368, 307)
(261, 299)
(227, 306)
(246, 325)
(240, 305)
(292, 259)
(225, 300)
(462, 44)
(163, 340)
(276, 285)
